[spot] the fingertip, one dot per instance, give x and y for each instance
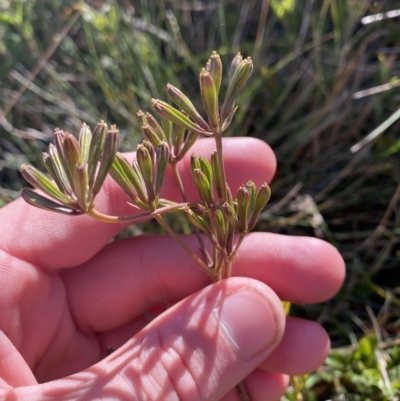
(258, 155)
(332, 272)
(300, 269)
(266, 386)
(303, 348)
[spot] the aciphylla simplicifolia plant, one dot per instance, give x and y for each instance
(78, 168)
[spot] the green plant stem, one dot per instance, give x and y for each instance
(137, 218)
(231, 257)
(175, 236)
(233, 254)
(221, 165)
(184, 198)
(179, 181)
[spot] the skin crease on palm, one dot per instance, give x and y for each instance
(68, 296)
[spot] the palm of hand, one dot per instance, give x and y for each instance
(66, 296)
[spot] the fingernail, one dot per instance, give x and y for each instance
(249, 321)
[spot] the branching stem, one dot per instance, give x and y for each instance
(175, 236)
(184, 198)
(138, 218)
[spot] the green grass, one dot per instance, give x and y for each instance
(310, 57)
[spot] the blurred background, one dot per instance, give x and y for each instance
(324, 94)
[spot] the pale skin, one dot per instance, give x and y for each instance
(68, 297)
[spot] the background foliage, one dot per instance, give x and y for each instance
(322, 81)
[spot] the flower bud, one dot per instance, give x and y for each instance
(141, 186)
(81, 185)
(162, 160)
(51, 169)
(60, 177)
(122, 173)
(38, 180)
(216, 173)
(194, 162)
(203, 186)
(145, 163)
(179, 138)
(186, 105)
(243, 200)
(206, 169)
(197, 221)
(251, 187)
(35, 199)
(150, 149)
(170, 113)
(110, 148)
(230, 215)
(215, 69)
(218, 223)
(168, 131)
(239, 79)
(150, 135)
(262, 198)
(234, 65)
(156, 126)
(96, 149)
(142, 117)
(85, 137)
(209, 95)
(59, 142)
(72, 155)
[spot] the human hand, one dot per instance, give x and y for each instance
(67, 296)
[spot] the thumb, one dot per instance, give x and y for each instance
(198, 350)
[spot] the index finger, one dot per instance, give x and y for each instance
(54, 241)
